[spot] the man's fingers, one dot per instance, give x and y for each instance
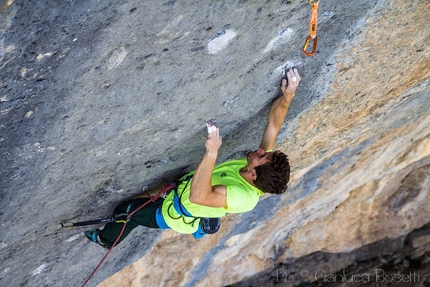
(289, 77)
(216, 132)
(293, 76)
(284, 83)
(213, 132)
(296, 75)
(214, 136)
(211, 129)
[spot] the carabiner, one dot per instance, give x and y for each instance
(314, 50)
(312, 29)
(126, 220)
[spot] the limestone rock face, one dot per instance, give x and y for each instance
(101, 98)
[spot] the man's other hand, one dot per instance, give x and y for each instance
(213, 140)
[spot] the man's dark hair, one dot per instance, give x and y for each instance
(273, 176)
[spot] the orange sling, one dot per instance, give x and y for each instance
(312, 29)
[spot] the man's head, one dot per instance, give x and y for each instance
(258, 157)
(274, 174)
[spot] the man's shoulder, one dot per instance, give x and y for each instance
(241, 198)
(238, 161)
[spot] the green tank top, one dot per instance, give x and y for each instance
(241, 197)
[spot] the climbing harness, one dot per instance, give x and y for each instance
(312, 29)
(166, 188)
(206, 225)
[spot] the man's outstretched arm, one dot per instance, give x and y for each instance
(201, 191)
(279, 109)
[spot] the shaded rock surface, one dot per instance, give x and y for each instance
(101, 98)
(401, 261)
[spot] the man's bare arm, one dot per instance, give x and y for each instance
(278, 110)
(201, 190)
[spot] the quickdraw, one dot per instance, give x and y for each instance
(312, 29)
(114, 218)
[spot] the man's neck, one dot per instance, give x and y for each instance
(245, 173)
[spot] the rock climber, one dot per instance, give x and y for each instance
(201, 197)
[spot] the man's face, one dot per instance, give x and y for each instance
(258, 157)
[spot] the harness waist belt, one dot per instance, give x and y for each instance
(179, 207)
(160, 219)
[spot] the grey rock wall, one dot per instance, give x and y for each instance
(101, 98)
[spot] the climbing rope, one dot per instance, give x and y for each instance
(312, 29)
(165, 188)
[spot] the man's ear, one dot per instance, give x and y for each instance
(253, 174)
